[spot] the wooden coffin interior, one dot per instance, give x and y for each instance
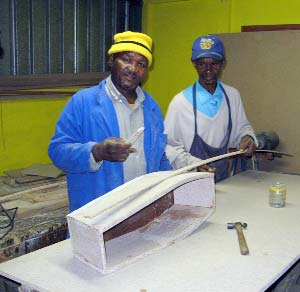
(140, 217)
(157, 225)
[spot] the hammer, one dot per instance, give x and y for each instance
(242, 241)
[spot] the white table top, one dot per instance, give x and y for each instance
(208, 260)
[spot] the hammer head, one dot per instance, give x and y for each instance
(234, 225)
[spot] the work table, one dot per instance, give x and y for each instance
(33, 215)
(207, 260)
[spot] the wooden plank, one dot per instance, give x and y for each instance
(43, 188)
(37, 200)
(271, 27)
(141, 218)
(19, 82)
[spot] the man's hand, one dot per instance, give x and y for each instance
(247, 143)
(112, 149)
(206, 168)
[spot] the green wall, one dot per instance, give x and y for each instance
(27, 125)
(174, 24)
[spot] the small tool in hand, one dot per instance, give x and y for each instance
(242, 241)
(136, 135)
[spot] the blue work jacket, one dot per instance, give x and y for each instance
(88, 118)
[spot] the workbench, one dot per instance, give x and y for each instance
(207, 260)
(37, 216)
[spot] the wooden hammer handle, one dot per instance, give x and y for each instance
(242, 241)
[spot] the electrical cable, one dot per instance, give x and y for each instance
(9, 219)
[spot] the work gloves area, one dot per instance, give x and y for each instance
(112, 149)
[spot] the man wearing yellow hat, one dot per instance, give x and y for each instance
(95, 140)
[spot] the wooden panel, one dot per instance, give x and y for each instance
(32, 218)
(265, 67)
(9, 83)
(141, 218)
(253, 28)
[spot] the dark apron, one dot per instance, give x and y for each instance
(203, 151)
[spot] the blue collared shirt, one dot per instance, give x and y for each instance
(130, 119)
(207, 103)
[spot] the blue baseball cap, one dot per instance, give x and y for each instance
(209, 46)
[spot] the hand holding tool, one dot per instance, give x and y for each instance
(136, 135)
(242, 241)
(112, 149)
(247, 143)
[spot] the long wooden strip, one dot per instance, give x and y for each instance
(121, 201)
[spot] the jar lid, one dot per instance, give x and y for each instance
(278, 186)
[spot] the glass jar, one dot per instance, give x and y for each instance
(277, 195)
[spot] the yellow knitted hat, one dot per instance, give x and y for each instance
(130, 41)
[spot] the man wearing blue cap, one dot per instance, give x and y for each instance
(207, 118)
(96, 139)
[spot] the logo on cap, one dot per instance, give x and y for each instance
(206, 43)
(209, 46)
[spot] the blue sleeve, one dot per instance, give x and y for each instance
(68, 149)
(164, 163)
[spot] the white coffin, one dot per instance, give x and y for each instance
(194, 202)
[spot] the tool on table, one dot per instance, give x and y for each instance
(136, 135)
(242, 241)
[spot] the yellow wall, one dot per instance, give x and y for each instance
(265, 69)
(263, 12)
(27, 125)
(174, 24)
